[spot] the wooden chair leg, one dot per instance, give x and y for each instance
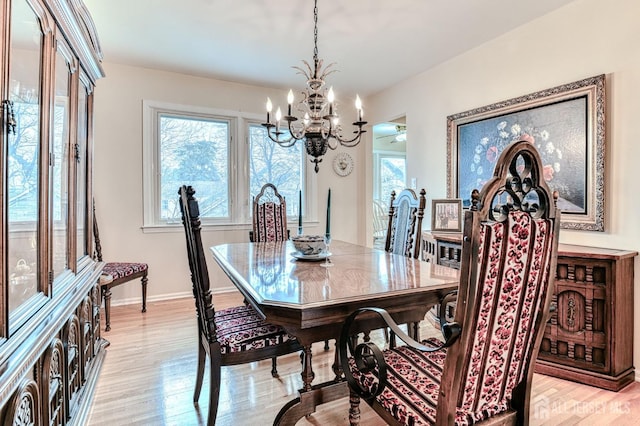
(214, 386)
(199, 372)
(274, 367)
(144, 292)
(106, 296)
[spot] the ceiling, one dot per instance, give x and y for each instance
(375, 43)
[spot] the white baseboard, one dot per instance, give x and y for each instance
(169, 296)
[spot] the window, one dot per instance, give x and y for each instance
(391, 172)
(203, 148)
(283, 167)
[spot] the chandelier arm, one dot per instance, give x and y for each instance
(351, 142)
(275, 137)
(296, 134)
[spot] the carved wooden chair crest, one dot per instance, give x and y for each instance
(405, 223)
(230, 336)
(269, 215)
(484, 375)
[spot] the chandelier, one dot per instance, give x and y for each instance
(319, 128)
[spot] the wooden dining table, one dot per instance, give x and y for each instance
(311, 301)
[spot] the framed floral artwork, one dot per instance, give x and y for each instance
(567, 126)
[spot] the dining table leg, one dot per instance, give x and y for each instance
(307, 369)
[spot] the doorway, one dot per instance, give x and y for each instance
(389, 171)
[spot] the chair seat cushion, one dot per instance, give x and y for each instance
(119, 270)
(241, 329)
(411, 394)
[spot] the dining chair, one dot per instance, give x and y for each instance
(117, 273)
(482, 371)
(269, 215)
(405, 223)
(403, 230)
(231, 336)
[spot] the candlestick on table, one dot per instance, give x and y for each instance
(299, 212)
(328, 228)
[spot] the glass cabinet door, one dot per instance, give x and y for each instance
(23, 157)
(60, 157)
(82, 165)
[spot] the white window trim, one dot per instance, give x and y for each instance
(377, 157)
(239, 209)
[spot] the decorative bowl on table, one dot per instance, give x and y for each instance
(309, 245)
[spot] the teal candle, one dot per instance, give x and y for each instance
(328, 228)
(300, 212)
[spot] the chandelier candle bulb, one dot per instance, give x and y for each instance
(269, 108)
(290, 101)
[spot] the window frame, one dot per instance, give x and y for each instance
(239, 203)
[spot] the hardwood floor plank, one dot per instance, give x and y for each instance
(148, 378)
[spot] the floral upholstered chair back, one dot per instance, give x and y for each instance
(509, 258)
(405, 223)
(269, 216)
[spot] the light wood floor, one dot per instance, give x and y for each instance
(149, 373)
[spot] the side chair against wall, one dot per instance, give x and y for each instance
(230, 336)
(506, 284)
(117, 273)
(269, 215)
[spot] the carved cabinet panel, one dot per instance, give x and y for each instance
(589, 337)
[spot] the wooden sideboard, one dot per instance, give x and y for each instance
(589, 338)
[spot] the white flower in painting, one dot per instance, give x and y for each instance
(479, 149)
(559, 154)
(556, 167)
(473, 167)
(503, 134)
(502, 125)
(476, 158)
(480, 170)
(515, 129)
(484, 140)
(550, 148)
(544, 135)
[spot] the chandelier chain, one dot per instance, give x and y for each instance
(315, 32)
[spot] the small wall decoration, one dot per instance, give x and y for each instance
(566, 124)
(342, 164)
(446, 215)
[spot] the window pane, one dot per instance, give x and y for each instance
(271, 163)
(81, 176)
(194, 152)
(393, 172)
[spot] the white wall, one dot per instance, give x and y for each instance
(584, 39)
(118, 177)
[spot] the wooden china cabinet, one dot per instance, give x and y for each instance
(50, 346)
(589, 337)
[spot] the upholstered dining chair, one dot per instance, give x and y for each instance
(232, 336)
(117, 273)
(269, 215)
(482, 371)
(404, 229)
(405, 223)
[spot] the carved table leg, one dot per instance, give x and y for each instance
(354, 408)
(307, 369)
